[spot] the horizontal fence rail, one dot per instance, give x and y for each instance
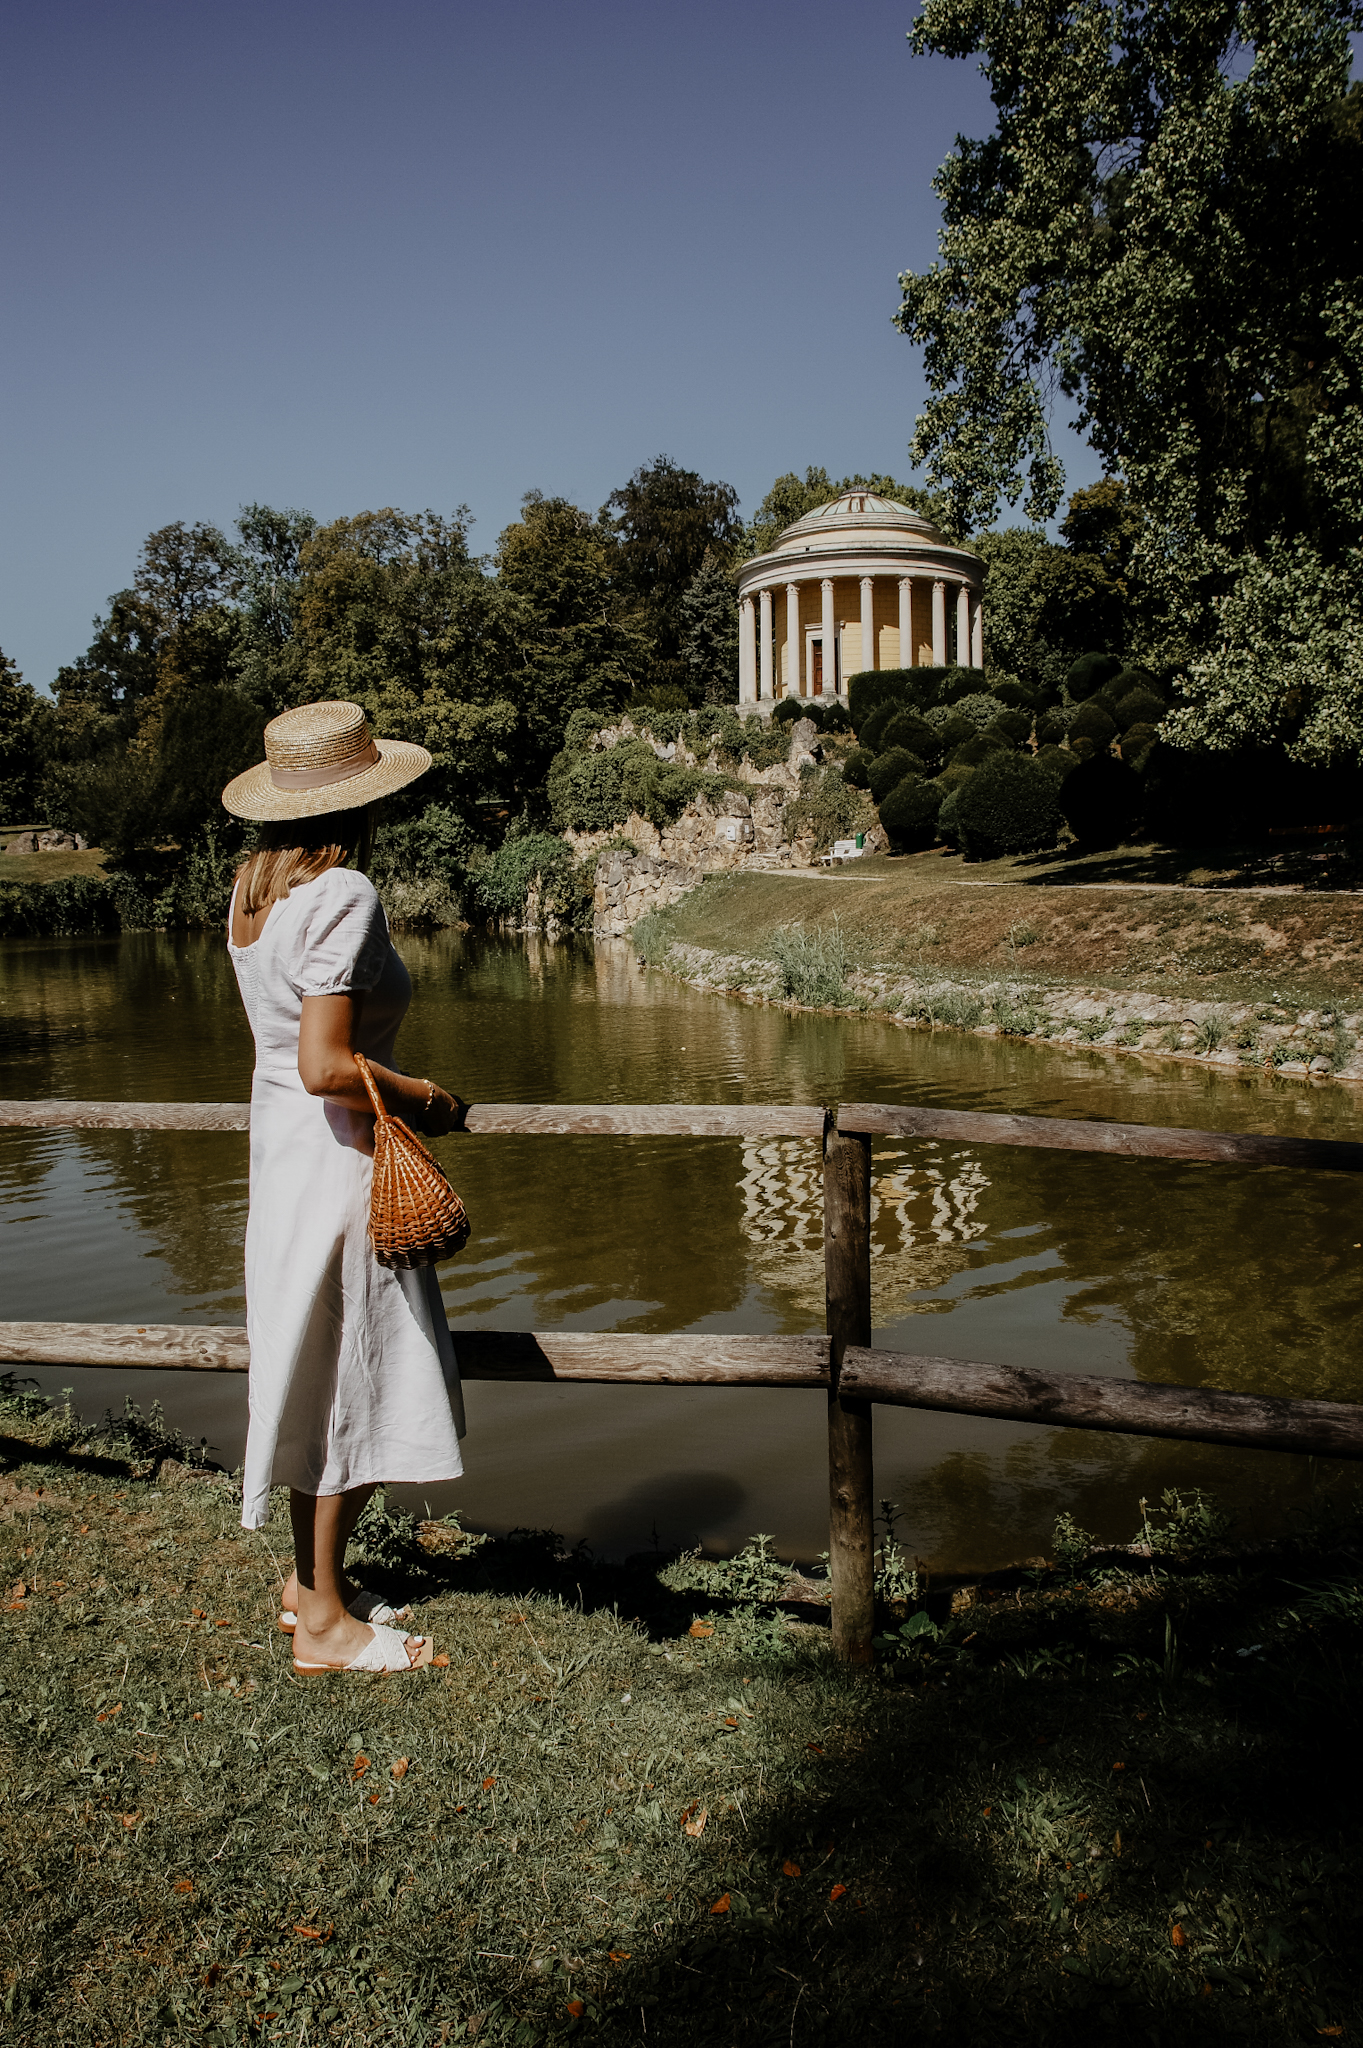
(852, 1375)
(756, 1120)
(603, 1357)
(1203, 1415)
(1123, 1141)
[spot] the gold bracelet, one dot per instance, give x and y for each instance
(426, 1106)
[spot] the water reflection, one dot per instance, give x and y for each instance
(1162, 1270)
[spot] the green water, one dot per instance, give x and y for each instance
(1197, 1274)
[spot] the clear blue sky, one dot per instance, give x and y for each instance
(349, 255)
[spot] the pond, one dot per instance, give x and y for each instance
(1198, 1274)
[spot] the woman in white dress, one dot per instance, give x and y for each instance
(353, 1378)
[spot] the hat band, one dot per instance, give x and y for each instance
(318, 778)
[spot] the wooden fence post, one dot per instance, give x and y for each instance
(851, 1485)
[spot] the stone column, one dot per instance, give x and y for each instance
(830, 642)
(939, 624)
(977, 633)
(764, 644)
(906, 622)
(793, 640)
(868, 622)
(963, 624)
(747, 652)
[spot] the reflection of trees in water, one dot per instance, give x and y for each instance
(923, 1219)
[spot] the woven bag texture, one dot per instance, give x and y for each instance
(415, 1216)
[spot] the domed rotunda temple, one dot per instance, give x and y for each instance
(860, 583)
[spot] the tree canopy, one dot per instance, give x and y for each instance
(1164, 228)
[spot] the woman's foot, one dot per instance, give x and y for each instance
(337, 1644)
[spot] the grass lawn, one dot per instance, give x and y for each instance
(1141, 919)
(25, 868)
(640, 1803)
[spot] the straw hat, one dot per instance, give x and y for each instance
(322, 758)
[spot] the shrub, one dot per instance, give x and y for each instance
(909, 814)
(835, 718)
(1009, 806)
(1053, 725)
(1090, 673)
(828, 808)
(69, 909)
(1010, 692)
(1083, 748)
(948, 827)
(436, 846)
(592, 792)
(907, 729)
(978, 749)
(1136, 745)
(855, 768)
(813, 966)
(501, 884)
(1093, 721)
(956, 732)
(582, 729)
(979, 707)
(792, 709)
(1057, 762)
(1012, 726)
(1101, 801)
(869, 733)
(1138, 707)
(891, 768)
(870, 688)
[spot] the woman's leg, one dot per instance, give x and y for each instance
(326, 1633)
(353, 1505)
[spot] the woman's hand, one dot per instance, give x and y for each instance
(445, 1114)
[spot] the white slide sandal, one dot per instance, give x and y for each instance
(385, 1651)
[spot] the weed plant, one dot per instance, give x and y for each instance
(812, 965)
(653, 938)
(1114, 1806)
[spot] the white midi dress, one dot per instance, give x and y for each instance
(353, 1375)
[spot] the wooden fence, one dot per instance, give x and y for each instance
(842, 1361)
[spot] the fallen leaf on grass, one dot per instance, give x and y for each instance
(695, 1827)
(442, 1660)
(360, 1765)
(987, 1811)
(130, 1820)
(1081, 1898)
(18, 1590)
(816, 1747)
(576, 2008)
(373, 1799)
(1177, 1936)
(839, 1891)
(184, 1884)
(701, 1628)
(618, 1955)
(401, 1768)
(1333, 2032)
(721, 1905)
(1119, 1767)
(488, 1784)
(790, 1870)
(312, 1933)
(211, 1975)
(199, 1614)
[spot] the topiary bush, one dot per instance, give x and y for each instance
(1138, 707)
(1090, 673)
(1136, 745)
(789, 710)
(1010, 692)
(1093, 721)
(972, 753)
(1053, 725)
(909, 814)
(1008, 806)
(835, 718)
(890, 768)
(856, 767)
(1101, 801)
(1013, 727)
(948, 827)
(870, 730)
(907, 729)
(978, 706)
(1057, 761)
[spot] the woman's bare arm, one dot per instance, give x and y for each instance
(326, 1066)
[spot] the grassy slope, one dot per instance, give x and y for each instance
(23, 868)
(1055, 922)
(994, 1840)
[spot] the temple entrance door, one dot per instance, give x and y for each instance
(816, 668)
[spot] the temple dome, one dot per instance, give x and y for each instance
(858, 517)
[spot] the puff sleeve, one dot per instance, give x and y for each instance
(342, 942)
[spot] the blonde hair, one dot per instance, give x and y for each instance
(296, 850)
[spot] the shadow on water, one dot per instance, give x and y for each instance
(1195, 1274)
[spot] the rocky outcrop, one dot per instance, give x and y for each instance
(643, 867)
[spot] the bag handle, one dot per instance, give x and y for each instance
(368, 1079)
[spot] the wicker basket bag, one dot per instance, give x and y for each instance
(415, 1217)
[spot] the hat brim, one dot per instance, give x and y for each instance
(253, 795)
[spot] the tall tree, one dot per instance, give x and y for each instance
(26, 721)
(666, 518)
(1165, 226)
(709, 610)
